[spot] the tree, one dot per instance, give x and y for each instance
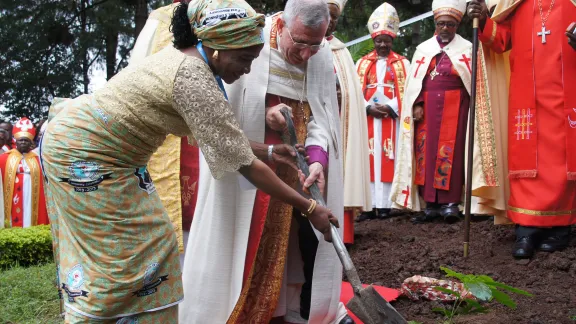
(49, 47)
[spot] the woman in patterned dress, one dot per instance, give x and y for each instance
(117, 257)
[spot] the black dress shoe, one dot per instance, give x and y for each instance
(450, 213)
(554, 243)
(365, 216)
(431, 213)
(524, 247)
(347, 320)
(383, 213)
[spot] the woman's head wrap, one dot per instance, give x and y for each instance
(226, 24)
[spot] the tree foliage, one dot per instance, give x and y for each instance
(50, 47)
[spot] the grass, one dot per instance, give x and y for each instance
(28, 295)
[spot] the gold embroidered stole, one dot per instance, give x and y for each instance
(261, 291)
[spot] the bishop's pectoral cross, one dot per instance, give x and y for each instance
(543, 34)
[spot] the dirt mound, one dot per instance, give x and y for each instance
(388, 251)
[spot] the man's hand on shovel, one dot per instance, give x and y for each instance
(316, 176)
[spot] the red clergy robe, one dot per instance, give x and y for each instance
(542, 102)
(24, 201)
(440, 170)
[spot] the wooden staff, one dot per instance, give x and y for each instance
(471, 126)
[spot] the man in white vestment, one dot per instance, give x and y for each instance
(353, 127)
(433, 138)
(383, 75)
(269, 263)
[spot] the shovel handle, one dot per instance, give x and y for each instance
(315, 193)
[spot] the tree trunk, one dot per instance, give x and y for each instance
(140, 16)
(111, 48)
(83, 45)
(416, 33)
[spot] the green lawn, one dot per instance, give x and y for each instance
(28, 295)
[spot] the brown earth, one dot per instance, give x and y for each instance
(388, 251)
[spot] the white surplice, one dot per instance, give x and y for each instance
(216, 253)
(381, 190)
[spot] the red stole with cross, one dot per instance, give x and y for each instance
(396, 75)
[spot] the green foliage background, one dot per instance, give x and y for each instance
(25, 246)
(50, 47)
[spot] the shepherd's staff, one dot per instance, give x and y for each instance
(471, 125)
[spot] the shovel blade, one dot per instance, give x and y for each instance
(371, 308)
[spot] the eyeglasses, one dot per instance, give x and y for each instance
(302, 46)
(442, 24)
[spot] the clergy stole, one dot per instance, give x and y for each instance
(452, 88)
(272, 218)
(14, 206)
(395, 78)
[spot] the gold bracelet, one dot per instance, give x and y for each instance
(312, 207)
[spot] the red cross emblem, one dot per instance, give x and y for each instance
(407, 193)
(466, 61)
(420, 62)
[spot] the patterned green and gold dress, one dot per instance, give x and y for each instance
(115, 246)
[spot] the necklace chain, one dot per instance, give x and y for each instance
(300, 96)
(434, 72)
(542, 18)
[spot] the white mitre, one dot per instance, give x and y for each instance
(338, 3)
(384, 21)
(452, 8)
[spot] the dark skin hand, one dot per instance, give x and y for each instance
(23, 145)
(417, 113)
(380, 111)
(478, 9)
(281, 154)
(571, 34)
(266, 180)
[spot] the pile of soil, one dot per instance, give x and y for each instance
(386, 252)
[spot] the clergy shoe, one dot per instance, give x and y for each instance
(554, 243)
(430, 214)
(524, 247)
(365, 216)
(347, 320)
(383, 213)
(450, 213)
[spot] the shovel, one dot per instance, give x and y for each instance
(366, 304)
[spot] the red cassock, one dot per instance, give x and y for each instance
(541, 112)
(24, 201)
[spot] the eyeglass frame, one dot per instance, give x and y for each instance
(447, 24)
(302, 46)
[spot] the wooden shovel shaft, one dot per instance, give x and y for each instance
(315, 193)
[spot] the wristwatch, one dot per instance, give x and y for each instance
(368, 109)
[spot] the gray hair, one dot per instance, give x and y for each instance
(311, 13)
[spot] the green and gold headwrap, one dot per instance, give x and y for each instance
(226, 24)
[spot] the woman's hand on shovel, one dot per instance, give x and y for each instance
(321, 218)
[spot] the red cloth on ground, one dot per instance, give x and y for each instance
(347, 293)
